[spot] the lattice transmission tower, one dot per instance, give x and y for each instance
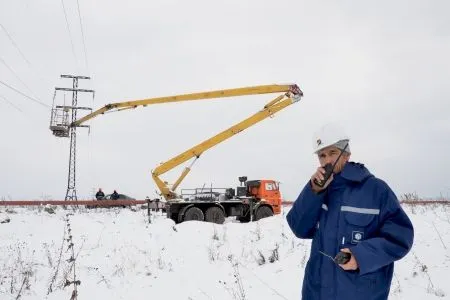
(61, 124)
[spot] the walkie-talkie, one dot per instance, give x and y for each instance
(342, 258)
(329, 170)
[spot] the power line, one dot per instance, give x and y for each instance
(15, 45)
(25, 95)
(17, 76)
(70, 35)
(82, 34)
(21, 54)
(10, 103)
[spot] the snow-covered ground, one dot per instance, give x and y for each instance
(119, 255)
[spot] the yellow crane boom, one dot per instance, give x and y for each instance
(292, 95)
(252, 90)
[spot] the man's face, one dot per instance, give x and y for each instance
(330, 154)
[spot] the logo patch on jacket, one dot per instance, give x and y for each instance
(357, 236)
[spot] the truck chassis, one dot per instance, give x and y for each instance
(244, 209)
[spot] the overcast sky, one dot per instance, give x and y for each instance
(380, 68)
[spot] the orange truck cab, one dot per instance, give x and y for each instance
(267, 191)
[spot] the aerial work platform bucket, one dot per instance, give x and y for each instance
(59, 122)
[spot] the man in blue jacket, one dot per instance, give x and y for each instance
(353, 212)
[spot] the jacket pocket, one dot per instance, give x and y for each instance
(360, 220)
(357, 226)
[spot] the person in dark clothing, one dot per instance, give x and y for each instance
(354, 212)
(100, 195)
(114, 195)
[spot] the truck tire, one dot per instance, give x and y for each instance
(215, 214)
(263, 212)
(194, 214)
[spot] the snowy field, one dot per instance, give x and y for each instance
(118, 254)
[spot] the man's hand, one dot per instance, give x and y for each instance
(352, 264)
(318, 175)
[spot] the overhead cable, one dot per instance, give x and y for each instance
(14, 43)
(82, 35)
(23, 55)
(70, 35)
(17, 77)
(23, 94)
(10, 103)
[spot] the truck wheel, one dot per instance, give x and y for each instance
(194, 214)
(263, 212)
(215, 214)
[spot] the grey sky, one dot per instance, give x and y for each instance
(380, 68)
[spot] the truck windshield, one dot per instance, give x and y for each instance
(271, 186)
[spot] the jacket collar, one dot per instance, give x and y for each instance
(354, 171)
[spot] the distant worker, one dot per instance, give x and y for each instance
(100, 195)
(114, 195)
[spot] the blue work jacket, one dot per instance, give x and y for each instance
(360, 212)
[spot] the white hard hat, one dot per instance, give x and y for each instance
(331, 134)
